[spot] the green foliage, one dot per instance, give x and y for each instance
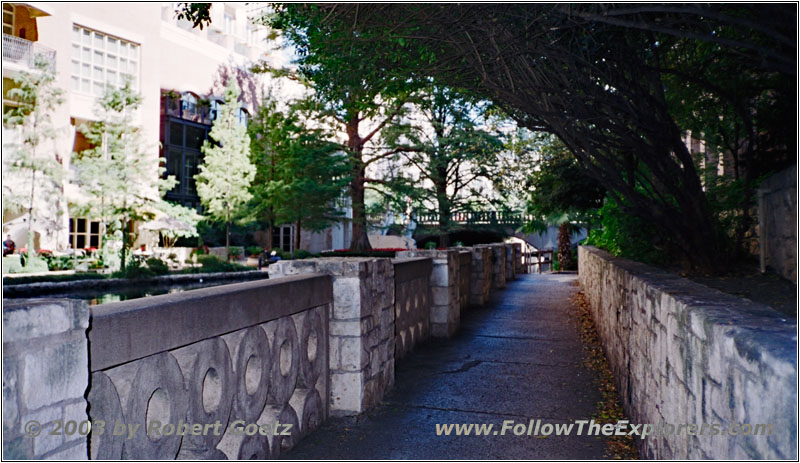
(53, 278)
(157, 266)
(430, 245)
(299, 174)
(443, 152)
(30, 170)
(235, 252)
(625, 235)
(135, 270)
(211, 264)
(120, 173)
(226, 172)
(558, 185)
(57, 263)
(254, 251)
(302, 254)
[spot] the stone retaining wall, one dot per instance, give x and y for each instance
(45, 354)
(321, 340)
(412, 305)
(249, 353)
(464, 273)
(778, 227)
(480, 280)
(498, 266)
(362, 331)
(446, 302)
(59, 287)
(683, 353)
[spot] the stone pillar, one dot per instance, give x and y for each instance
(498, 266)
(464, 276)
(361, 333)
(480, 275)
(45, 376)
(446, 302)
(518, 267)
(510, 267)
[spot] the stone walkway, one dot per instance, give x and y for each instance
(517, 359)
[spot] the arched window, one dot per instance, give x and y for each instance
(214, 107)
(189, 103)
(243, 116)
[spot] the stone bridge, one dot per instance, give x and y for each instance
(209, 373)
(505, 223)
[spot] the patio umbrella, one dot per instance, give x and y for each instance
(165, 223)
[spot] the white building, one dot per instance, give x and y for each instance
(179, 70)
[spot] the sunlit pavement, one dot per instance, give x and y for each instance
(517, 359)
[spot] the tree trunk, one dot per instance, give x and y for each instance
(297, 235)
(30, 212)
(228, 239)
(269, 235)
(124, 250)
(444, 214)
(359, 240)
(565, 247)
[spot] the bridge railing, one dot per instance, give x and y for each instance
(474, 218)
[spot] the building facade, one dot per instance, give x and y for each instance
(180, 71)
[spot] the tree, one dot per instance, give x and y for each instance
(351, 90)
(31, 163)
(299, 175)
(226, 171)
(451, 152)
(121, 173)
(587, 73)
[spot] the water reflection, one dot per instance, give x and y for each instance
(104, 297)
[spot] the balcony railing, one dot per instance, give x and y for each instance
(25, 52)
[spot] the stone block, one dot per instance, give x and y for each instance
(346, 393)
(29, 319)
(55, 373)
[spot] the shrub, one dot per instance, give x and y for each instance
(302, 254)
(626, 235)
(53, 278)
(212, 264)
(254, 251)
(235, 252)
(157, 266)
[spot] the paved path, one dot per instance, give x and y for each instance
(517, 359)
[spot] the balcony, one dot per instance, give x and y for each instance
(25, 53)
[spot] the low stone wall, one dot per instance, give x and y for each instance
(45, 354)
(446, 302)
(683, 353)
(519, 269)
(778, 222)
(498, 266)
(464, 272)
(60, 287)
(480, 280)
(362, 331)
(218, 358)
(510, 267)
(412, 304)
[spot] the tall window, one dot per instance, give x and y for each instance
(8, 19)
(84, 233)
(99, 60)
(228, 23)
(283, 237)
(182, 143)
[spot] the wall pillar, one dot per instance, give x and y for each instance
(446, 302)
(45, 376)
(480, 283)
(362, 331)
(498, 266)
